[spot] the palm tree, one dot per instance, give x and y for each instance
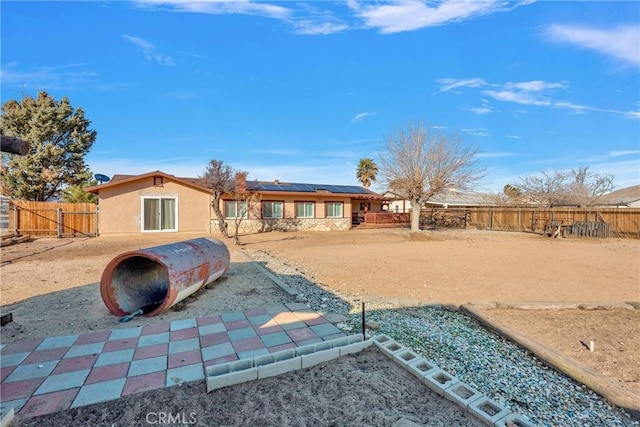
(366, 172)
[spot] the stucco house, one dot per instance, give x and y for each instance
(161, 202)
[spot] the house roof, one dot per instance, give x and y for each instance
(295, 187)
(265, 187)
(620, 197)
(456, 198)
(118, 179)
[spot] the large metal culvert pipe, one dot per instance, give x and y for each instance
(159, 277)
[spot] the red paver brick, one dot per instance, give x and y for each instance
(258, 311)
(185, 358)
(75, 364)
(208, 320)
(263, 330)
(151, 351)
(144, 382)
(4, 372)
(108, 373)
(20, 389)
(49, 403)
(317, 321)
(237, 324)
(248, 344)
(45, 355)
(121, 344)
(213, 339)
(281, 347)
(223, 359)
(94, 337)
(183, 334)
(155, 329)
(301, 334)
(21, 347)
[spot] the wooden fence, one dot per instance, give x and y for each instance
(53, 219)
(590, 222)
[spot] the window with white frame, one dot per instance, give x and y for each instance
(235, 209)
(160, 213)
(272, 209)
(333, 209)
(305, 209)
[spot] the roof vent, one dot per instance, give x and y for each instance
(276, 181)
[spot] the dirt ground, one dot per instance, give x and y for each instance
(51, 287)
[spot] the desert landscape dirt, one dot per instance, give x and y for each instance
(51, 287)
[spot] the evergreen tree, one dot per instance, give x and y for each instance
(59, 138)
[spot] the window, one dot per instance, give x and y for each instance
(272, 209)
(233, 209)
(334, 209)
(159, 213)
(305, 209)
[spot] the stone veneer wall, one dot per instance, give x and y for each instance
(286, 224)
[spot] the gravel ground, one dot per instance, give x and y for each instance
(495, 367)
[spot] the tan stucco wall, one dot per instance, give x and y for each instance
(290, 204)
(320, 222)
(121, 206)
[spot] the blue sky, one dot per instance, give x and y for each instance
(300, 91)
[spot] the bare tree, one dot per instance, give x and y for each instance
(247, 204)
(218, 177)
(566, 187)
(588, 187)
(419, 163)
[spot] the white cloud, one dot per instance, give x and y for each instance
(149, 50)
(59, 77)
(449, 84)
(481, 110)
(476, 132)
(360, 116)
(495, 155)
(305, 20)
(524, 98)
(513, 136)
(622, 43)
(533, 92)
(533, 86)
(313, 27)
(408, 15)
(622, 153)
(218, 7)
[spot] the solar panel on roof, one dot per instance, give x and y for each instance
(310, 188)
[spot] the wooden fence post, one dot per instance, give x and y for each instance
(16, 220)
(59, 221)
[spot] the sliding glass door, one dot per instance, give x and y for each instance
(159, 214)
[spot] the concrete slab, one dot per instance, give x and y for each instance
(147, 366)
(153, 339)
(99, 392)
(62, 382)
(184, 374)
(177, 325)
(55, 342)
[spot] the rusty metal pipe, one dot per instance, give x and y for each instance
(161, 276)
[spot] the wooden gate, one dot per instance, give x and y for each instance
(53, 219)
